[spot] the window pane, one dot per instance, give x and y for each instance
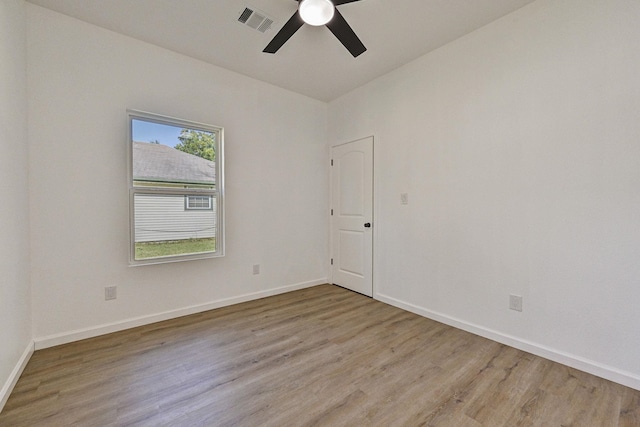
(163, 227)
(172, 156)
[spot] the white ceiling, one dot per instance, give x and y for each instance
(313, 62)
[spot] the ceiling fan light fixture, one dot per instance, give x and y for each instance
(316, 12)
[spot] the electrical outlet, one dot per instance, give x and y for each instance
(110, 292)
(256, 268)
(404, 198)
(515, 302)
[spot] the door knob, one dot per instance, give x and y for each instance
(367, 225)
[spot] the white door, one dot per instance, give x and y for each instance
(352, 215)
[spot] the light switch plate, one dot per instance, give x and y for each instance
(110, 292)
(515, 302)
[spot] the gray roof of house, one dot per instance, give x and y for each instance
(161, 163)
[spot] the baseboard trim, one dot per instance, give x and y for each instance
(627, 379)
(8, 386)
(94, 331)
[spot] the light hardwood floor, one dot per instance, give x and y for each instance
(322, 356)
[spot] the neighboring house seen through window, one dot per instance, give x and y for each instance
(176, 189)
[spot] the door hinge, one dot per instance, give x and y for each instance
(331, 162)
(331, 261)
(331, 212)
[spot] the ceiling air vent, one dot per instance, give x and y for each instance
(255, 19)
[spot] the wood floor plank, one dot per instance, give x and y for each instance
(322, 356)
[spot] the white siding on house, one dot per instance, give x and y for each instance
(162, 217)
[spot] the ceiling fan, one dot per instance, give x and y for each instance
(317, 13)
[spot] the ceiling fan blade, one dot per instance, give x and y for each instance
(293, 24)
(341, 29)
(339, 2)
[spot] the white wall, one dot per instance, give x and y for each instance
(15, 297)
(81, 80)
(519, 147)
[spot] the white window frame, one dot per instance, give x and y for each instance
(216, 194)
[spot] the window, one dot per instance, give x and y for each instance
(176, 189)
(198, 202)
